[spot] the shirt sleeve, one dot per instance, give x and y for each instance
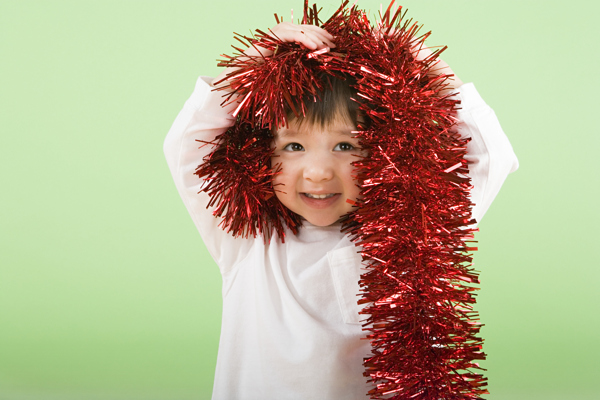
(202, 118)
(489, 153)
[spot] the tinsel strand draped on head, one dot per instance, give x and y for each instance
(414, 219)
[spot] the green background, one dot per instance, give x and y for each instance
(106, 290)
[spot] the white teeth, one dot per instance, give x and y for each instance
(319, 196)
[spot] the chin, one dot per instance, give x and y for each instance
(322, 221)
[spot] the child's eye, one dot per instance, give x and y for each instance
(344, 146)
(294, 147)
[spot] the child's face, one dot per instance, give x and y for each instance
(316, 172)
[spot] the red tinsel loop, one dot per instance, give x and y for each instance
(413, 221)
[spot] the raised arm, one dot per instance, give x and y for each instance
(490, 154)
(202, 118)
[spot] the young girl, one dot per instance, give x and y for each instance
(290, 325)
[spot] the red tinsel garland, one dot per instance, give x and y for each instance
(413, 221)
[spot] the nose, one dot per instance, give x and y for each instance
(319, 168)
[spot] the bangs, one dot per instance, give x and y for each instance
(332, 104)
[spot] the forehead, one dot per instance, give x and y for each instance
(344, 128)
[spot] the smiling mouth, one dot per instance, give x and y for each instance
(319, 196)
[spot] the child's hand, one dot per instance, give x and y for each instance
(439, 68)
(309, 36)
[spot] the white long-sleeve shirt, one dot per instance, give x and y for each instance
(290, 326)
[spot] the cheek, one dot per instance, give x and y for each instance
(283, 181)
(277, 167)
(351, 184)
(348, 175)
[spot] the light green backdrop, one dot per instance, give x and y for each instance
(107, 292)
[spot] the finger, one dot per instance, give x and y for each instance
(312, 37)
(291, 34)
(318, 37)
(317, 30)
(312, 41)
(307, 39)
(421, 51)
(325, 40)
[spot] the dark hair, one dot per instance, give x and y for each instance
(336, 98)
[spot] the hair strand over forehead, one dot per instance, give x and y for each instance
(335, 101)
